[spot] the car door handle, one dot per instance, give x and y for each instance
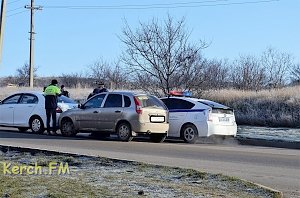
(29, 106)
(95, 112)
(10, 107)
(117, 111)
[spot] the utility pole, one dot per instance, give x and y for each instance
(31, 53)
(2, 22)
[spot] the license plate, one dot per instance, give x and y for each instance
(157, 119)
(224, 119)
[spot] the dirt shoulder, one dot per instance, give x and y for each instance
(83, 176)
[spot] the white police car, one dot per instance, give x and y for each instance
(190, 118)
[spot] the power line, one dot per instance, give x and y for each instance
(150, 6)
(160, 6)
(17, 13)
(15, 9)
(13, 2)
(138, 5)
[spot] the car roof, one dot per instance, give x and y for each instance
(203, 101)
(29, 92)
(184, 98)
(132, 93)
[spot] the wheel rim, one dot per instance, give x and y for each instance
(67, 127)
(124, 131)
(189, 134)
(36, 125)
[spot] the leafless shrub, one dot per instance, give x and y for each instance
(277, 65)
(295, 74)
(248, 74)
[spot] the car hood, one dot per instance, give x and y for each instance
(67, 106)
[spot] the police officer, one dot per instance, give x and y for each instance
(101, 88)
(51, 98)
(63, 91)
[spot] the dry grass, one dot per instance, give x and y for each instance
(231, 95)
(276, 107)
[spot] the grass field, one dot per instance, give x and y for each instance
(275, 107)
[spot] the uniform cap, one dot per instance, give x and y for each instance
(54, 82)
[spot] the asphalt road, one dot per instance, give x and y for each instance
(277, 168)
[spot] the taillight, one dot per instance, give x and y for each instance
(209, 116)
(138, 106)
(58, 110)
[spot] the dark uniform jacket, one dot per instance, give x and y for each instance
(51, 96)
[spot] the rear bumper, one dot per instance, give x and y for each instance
(150, 127)
(224, 130)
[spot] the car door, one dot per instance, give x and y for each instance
(88, 116)
(178, 109)
(7, 107)
(23, 110)
(111, 112)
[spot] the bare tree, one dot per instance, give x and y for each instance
(22, 74)
(295, 73)
(216, 74)
(160, 53)
(117, 76)
(248, 73)
(99, 70)
(277, 65)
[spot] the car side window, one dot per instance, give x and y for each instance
(168, 102)
(12, 100)
(94, 102)
(29, 99)
(174, 103)
(127, 101)
(113, 100)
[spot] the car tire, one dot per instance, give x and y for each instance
(189, 133)
(36, 125)
(22, 129)
(158, 137)
(124, 132)
(67, 128)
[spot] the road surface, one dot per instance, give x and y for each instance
(277, 168)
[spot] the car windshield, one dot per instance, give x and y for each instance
(213, 104)
(150, 101)
(65, 99)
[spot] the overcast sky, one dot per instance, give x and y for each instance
(72, 34)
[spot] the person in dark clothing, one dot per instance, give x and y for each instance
(101, 88)
(51, 93)
(63, 91)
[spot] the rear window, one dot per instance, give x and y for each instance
(127, 101)
(150, 101)
(217, 107)
(213, 104)
(65, 99)
(176, 103)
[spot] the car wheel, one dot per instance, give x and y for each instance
(36, 125)
(189, 133)
(67, 128)
(158, 138)
(124, 132)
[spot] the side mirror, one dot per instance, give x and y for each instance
(0, 101)
(80, 106)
